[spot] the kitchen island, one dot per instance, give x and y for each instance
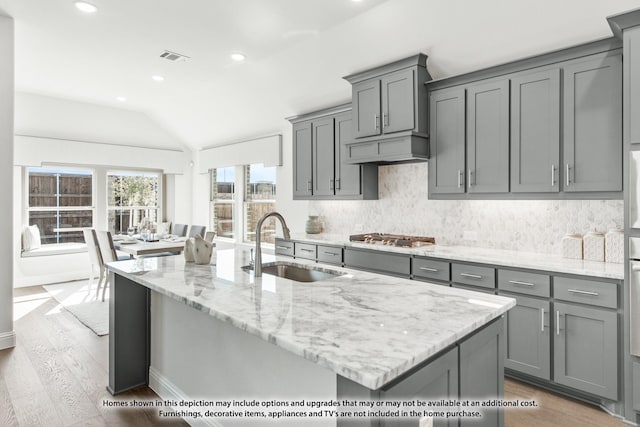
(216, 332)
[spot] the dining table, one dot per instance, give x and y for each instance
(136, 247)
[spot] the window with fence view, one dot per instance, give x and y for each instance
(222, 199)
(60, 203)
(132, 196)
(259, 198)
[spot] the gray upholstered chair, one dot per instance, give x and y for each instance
(95, 257)
(209, 236)
(197, 229)
(108, 253)
(179, 230)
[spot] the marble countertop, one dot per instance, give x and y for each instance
(496, 257)
(367, 327)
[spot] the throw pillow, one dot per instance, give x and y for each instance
(31, 237)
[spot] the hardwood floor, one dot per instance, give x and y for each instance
(57, 374)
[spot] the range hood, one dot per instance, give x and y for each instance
(389, 110)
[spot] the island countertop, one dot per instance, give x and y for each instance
(366, 327)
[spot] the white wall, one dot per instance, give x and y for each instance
(7, 336)
(46, 148)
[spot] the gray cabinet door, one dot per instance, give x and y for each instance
(302, 159)
(488, 137)
(447, 139)
(586, 349)
(366, 108)
(527, 338)
(323, 160)
(535, 132)
(593, 124)
(398, 101)
(438, 380)
(347, 177)
(632, 84)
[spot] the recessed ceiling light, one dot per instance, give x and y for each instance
(238, 56)
(121, 99)
(85, 7)
(157, 78)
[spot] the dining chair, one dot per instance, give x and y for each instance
(209, 236)
(197, 229)
(179, 230)
(108, 253)
(95, 257)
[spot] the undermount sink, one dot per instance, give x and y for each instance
(296, 273)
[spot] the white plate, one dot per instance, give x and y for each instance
(128, 242)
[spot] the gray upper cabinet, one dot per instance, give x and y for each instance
(447, 140)
(302, 182)
(632, 85)
(535, 132)
(593, 124)
(320, 150)
(586, 349)
(398, 101)
(366, 110)
(488, 137)
(323, 156)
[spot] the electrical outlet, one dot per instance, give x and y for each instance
(470, 235)
(358, 228)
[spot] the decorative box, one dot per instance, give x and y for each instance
(572, 246)
(594, 246)
(614, 246)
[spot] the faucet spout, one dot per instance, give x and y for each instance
(285, 231)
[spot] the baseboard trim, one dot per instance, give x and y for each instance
(165, 389)
(7, 340)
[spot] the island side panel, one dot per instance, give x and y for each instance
(196, 356)
(129, 334)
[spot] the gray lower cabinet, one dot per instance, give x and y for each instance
(447, 141)
(438, 380)
(488, 137)
(330, 254)
(482, 373)
(378, 261)
(586, 349)
(535, 132)
(473, 275)
(429, 269)
(302, 150)
(528, 344)
(593, 124)
(284, 247)
(305, 251)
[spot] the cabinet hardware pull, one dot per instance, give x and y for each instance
(375, 120)
(576, 291)
(330, 253)
(331, 185)
(306, 250)
(470, 183)
(541, 319)
(337, 184)
(568, 179)
(557, 322)
(516, 282)
(385, 119)
(459, 178)
(553, 175)
(283, 247)
(433, 270)
(309, 185)
(471, 276)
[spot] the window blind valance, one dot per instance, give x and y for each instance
(267, 150)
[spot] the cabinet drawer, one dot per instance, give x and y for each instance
(473, 275)
(602, 294)
(381, 262)
(284, 247)
(305, 250)
(330, 254)
(524, 282)
(425, 268)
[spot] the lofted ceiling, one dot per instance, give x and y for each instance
(297, 51)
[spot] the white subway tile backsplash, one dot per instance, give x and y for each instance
(522, 225)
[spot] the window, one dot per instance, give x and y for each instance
(222, 201)
(132, 196)
(60, 203)
(259, 198)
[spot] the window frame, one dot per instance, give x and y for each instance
(27, 209)
(246, 202)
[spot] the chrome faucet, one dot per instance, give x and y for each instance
(285, 231)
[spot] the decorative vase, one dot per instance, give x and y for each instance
(189, 250)
(313, 225)
(202, 250)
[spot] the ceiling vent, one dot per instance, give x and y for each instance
(173, 57)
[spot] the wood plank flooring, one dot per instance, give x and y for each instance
(57, 374)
